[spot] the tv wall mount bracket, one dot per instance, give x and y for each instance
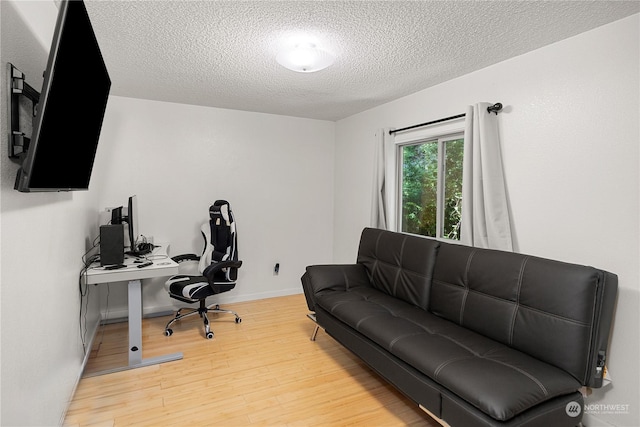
(17, 88)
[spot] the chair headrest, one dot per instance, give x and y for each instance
(219, 209)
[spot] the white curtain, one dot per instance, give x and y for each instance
(485, 212)
(381, 217)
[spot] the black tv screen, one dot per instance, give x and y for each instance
(72, 103)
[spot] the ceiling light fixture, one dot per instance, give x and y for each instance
(305, 58)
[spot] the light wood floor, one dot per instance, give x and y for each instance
(263, 371)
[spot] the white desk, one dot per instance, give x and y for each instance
(161, 267)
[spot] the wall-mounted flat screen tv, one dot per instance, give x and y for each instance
(72, 104)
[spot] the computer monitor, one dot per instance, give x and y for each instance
(132, 221)
(133, 239)
(128, 215)
(116, 215)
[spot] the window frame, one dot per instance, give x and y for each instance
(440, 138)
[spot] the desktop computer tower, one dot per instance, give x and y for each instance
(111, 244)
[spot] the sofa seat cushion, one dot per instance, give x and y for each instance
(498, 380)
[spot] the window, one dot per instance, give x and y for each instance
(430, 190)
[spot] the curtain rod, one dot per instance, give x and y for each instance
(490, 109)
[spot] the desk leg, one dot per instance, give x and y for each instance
(135, 336)
(135, 322)
(135, 331)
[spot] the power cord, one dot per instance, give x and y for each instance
(84, 290)
(103, 323)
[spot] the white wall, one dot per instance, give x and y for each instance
(570, 137)
(275, 171)
(43, 239)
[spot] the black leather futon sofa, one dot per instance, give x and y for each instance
(476, 337)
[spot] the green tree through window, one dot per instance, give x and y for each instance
(431, 187)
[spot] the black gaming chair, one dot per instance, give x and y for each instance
(218, 267)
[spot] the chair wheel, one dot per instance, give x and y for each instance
(238, 320)
(209, 335)
(168, 332)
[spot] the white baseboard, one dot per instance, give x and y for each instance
(87, 352)
(121, 312)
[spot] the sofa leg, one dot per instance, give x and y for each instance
(440, 421)
(312, 316)
(315, 332)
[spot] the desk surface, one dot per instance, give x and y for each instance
(162, 266)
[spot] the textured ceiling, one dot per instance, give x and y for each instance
(222, 53)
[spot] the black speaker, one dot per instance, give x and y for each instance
(111, 244)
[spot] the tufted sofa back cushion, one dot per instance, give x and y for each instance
(545, 308)
(399, 264)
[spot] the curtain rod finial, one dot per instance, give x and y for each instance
(494, 108)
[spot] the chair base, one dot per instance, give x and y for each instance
(202, 311)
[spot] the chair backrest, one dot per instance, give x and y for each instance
(219, 234)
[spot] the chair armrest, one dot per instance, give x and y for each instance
(185, 257)
(332, 277)
(212, 269)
